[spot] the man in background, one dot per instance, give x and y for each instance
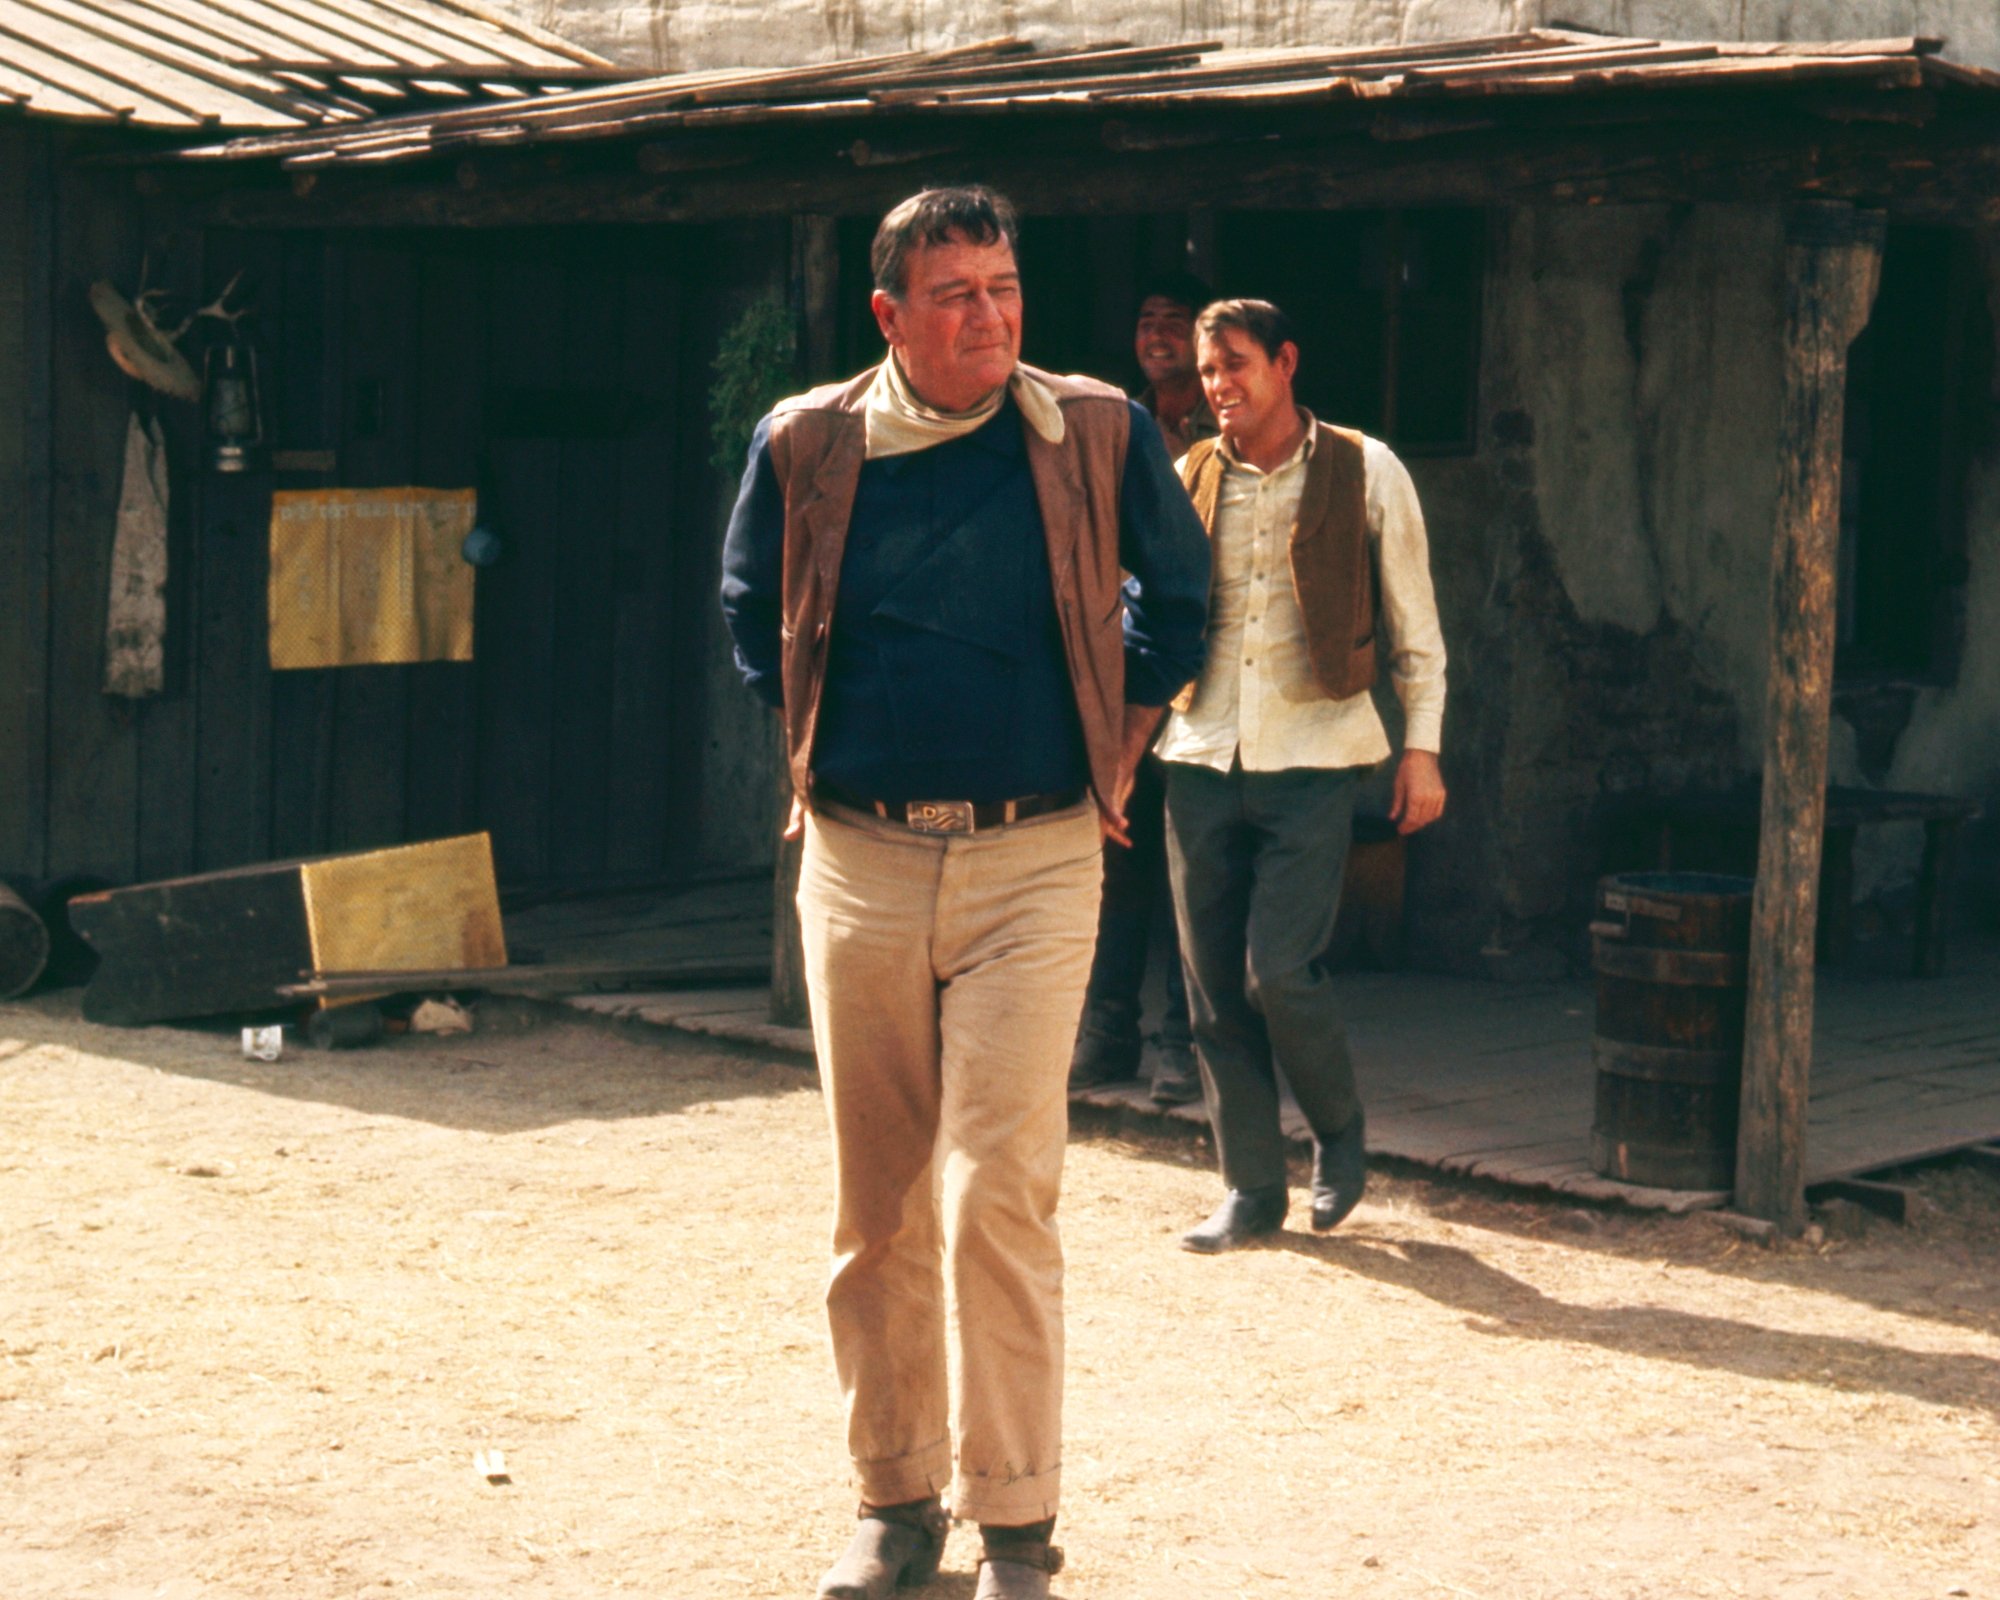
(1163, 341)
(1109, 1043)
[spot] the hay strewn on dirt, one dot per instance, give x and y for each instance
(256, 1320)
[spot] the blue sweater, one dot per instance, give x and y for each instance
(945, 675)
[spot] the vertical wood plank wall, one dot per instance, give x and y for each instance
(574, 736)
(27, 264)
(94, 779)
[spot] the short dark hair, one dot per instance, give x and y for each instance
(1263, 321)
(1183, 288)
(970, 212)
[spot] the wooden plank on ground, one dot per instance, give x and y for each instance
(546, 978)
(417, 906)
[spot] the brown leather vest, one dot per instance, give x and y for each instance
(1333, 573)
(817, 451)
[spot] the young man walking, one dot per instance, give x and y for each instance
(1314, 530)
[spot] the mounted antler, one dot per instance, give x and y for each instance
(218, 308)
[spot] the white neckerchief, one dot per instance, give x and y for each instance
(896, 422)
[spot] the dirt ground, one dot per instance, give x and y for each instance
(256, 1321)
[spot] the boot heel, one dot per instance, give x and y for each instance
(922, 1567)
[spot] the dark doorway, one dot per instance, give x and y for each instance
(1388, 308)
(1919, 408)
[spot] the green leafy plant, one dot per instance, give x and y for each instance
(756, 365)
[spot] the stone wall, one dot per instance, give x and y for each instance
(687, 35)
(1603, 565)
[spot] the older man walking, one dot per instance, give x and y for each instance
(923, 572)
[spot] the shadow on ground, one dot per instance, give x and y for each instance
(526, 1066)
(1501, 1305)
(1939, 1268)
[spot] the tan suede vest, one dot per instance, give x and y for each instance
(817, 451)
(1333, 573)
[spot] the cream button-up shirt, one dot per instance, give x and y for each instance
(1257, 698)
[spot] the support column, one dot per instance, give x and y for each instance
(1833, 258)
(815, 292)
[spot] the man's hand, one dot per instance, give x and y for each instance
(1141, 722)
(795, 823)
(1419, 795)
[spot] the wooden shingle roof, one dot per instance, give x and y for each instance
(1013, 76)
(188, 65)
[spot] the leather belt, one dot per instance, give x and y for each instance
(952, 816)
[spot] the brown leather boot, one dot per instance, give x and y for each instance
(894, 1547)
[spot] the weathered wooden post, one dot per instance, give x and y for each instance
(1833, 258)
(816, 286)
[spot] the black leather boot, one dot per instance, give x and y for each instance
(1107, 1051)
(1340, 1174)
(1176, 1080)
(1244, 1215)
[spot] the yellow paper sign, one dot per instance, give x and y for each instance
(370, 576)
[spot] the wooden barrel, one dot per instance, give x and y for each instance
(24, 945)
(1671, 951)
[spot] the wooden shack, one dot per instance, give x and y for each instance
(1599, 291)
(225, 761)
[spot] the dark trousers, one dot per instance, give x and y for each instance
(1135, 880)
(1256, 860)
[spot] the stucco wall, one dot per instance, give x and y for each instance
(1631, 393)
(684, 35)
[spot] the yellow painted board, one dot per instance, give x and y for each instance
(361, 576)
(407, 908)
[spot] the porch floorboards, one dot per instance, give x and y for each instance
(1486, 1079)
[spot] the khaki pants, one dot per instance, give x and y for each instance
(946, 974)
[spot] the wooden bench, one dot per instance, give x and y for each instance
(1717, 831)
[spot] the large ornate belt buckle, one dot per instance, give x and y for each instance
(940, 816)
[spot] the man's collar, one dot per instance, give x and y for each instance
(896, 420)
(1304, 452)
(1002, 434)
